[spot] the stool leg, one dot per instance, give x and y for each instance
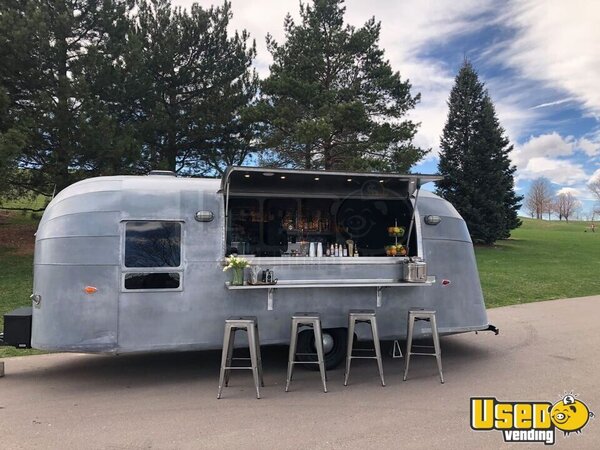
(320, 353)
(408, 344)
(224, 353)
(438, 348)
(351, 324)
(254, 358)
(292, 355)
(377, 346)
(231, 346)
(260, 369)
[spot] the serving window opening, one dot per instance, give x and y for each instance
(266, 226)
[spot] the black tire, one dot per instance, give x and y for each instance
(333, 358)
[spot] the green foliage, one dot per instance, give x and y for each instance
(54, 55)
(331, 100)
(192, 85)
(474, 158)
(95, 87)
(543, 260)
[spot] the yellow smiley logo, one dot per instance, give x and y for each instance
(570, 415)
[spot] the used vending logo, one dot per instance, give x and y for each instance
(529, 421)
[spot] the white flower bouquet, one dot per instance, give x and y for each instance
(235, 262)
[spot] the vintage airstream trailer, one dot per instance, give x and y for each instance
(135, 263)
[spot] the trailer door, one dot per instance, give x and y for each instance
(151, 283)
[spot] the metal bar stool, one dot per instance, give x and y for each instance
(414, 315)
(309, 320)
(363, 316)
(250, 325)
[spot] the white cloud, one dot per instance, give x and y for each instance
(589, 147)
(556, 43)
(569, 190)
(595, 177)
(554, 103)
(580, 191)
(546, 145)
(561, 172)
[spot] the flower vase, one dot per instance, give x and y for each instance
(237, 276)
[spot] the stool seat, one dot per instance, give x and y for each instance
(313, 320)
(241, 319)
(414, 315)
(306, 315)
(423, 311)
(362, 316)
(232, 325)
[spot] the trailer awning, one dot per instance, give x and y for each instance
(316, 183)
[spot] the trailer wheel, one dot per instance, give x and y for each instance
(334, 346)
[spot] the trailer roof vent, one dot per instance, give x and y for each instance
(168, 173)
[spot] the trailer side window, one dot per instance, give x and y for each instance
(150, 248)
(152, 244)
(152, 280)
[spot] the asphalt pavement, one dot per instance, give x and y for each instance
(168, 401)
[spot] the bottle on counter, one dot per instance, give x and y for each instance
(328, 250)
(319, 250)
(337, 250)
(356, 252)
(311, 250)
(332, 250)
(345, 251)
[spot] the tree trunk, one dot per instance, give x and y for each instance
(307, 158)
(327, 162)
(61, 158)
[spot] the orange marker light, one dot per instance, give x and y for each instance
(90, 289)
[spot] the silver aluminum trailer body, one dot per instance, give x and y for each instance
(80, 244)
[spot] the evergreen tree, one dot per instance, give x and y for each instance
(52, 53)
(474, 158)
(331, 100)
(191, 84)
(12, 142)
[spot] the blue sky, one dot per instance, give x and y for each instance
(540, 60)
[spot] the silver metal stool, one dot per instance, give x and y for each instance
(250, 325)
(363, 316)
(309, 320)
(414, 315)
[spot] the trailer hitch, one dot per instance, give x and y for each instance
(492, 328)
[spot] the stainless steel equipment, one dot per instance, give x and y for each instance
(414, 270)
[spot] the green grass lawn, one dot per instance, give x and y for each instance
(16, 276)
(16, 279)
(543, 260)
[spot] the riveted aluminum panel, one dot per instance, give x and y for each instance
(67, 318)
(79, 251)
(100, 223)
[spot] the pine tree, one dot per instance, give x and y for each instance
(191, 83)
(52, 53)
(479, 177)
(332, 100)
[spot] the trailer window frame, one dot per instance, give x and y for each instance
(179, 270)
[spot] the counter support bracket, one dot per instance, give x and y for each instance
(379, 289)
(270, 299)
